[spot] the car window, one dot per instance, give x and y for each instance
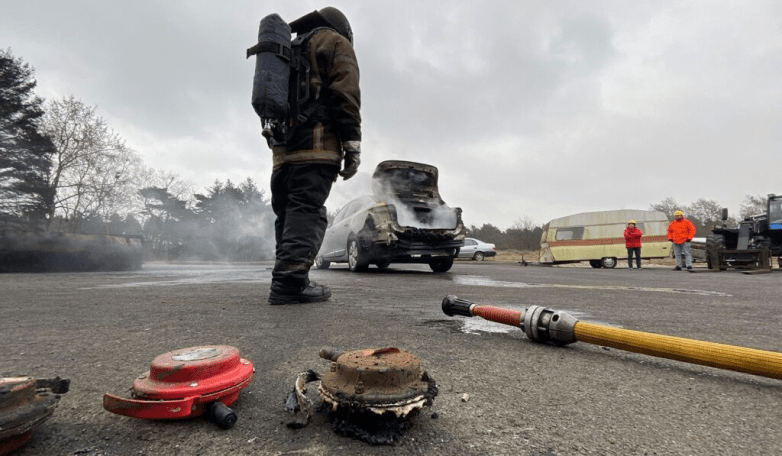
(470, 242)
(569, 233)
(345, 212)
(341, 214)
(352, 207)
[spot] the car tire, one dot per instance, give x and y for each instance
(608, 262)
(320, 263)
(595, 264)
(441, 265)
(479, 256)
(357, 261)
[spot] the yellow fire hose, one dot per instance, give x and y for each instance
(546, 325)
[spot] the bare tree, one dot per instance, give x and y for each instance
(705, 210)
(667, 206)
(752, 205)
(524, 223)
(93, 170)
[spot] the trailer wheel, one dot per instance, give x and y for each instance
(608, 262)
(595, 264)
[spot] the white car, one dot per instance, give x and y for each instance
(477, 250)
(404, 221)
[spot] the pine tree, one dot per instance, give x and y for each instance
(25, 153)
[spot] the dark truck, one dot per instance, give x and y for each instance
(752, 244)
(23, 251)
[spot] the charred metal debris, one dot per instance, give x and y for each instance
(369, 395)
(25, 403)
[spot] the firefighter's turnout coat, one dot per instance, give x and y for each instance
(334, 87)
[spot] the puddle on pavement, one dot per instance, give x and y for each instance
(173, 275)
(476, 325)
(487, 282)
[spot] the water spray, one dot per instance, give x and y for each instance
(545, 325)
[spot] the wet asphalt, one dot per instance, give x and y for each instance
(499, 393)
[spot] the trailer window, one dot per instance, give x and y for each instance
(569, 233)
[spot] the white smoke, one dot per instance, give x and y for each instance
(430, 212)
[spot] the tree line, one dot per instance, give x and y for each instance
(62, 168)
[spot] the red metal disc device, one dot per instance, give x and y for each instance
(187, 383)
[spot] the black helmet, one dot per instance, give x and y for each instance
(327, 17)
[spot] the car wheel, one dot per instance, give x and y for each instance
(595, 264)
(441, 265)
(356, 258)
(608, 262)
(320, 263)
(383, 264)
(479, 256)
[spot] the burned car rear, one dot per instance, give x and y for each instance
(404, 221)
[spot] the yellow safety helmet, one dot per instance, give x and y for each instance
(678, 213)
(631, 221)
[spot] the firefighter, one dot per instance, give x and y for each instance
(325, 146)
(680, 233)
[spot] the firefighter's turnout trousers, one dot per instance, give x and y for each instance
(299, 192)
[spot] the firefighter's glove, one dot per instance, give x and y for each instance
(352, 159)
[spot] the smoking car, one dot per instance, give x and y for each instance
(404, 221)
(477, 250)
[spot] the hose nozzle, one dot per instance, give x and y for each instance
(540, 324)
(453, 305)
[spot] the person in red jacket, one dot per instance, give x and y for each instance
(633, 244)
(680, 232)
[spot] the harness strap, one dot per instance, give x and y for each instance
(270, 46)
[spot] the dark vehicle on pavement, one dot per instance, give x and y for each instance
(752, 244)
(404, 221)
(26, 251)
(477, 250)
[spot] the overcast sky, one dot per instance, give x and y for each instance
(528, 108)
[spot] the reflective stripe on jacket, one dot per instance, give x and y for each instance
(681, 231)
(334, 78)
(633, 237)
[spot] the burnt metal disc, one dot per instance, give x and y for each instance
(386, 379)
(24, 404)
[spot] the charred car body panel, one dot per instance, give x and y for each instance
(22, 251)
(404, 221)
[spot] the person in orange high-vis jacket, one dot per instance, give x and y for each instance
(680, 232)
(633, 244)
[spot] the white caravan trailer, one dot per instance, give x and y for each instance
(598, 237)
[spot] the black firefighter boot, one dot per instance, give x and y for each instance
(312, 292)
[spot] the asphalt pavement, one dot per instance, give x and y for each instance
(499, 393)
